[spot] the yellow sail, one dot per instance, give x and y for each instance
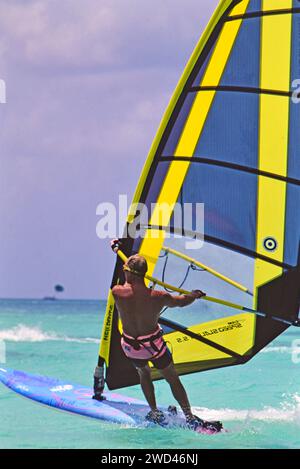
(229, 139)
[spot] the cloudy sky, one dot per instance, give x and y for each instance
(87, 84)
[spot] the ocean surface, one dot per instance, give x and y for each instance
(259, 403)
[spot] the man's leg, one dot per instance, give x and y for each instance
(178, 391)
(147, 386)
(194, 422)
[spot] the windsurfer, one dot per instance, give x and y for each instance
(142, 340)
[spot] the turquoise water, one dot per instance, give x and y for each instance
(259, 403)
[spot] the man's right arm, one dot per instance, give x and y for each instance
(119, 291)
(179, 301)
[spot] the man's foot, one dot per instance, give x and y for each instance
(172, 409)
(195, 423)
(214, 427)
(156, 416)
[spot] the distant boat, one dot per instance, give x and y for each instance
(59, 289)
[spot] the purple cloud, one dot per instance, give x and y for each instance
(87, 84)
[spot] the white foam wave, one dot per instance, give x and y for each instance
(279, 349)
(23, 333)
(287, 412)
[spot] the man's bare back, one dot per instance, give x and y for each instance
(139, 307)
